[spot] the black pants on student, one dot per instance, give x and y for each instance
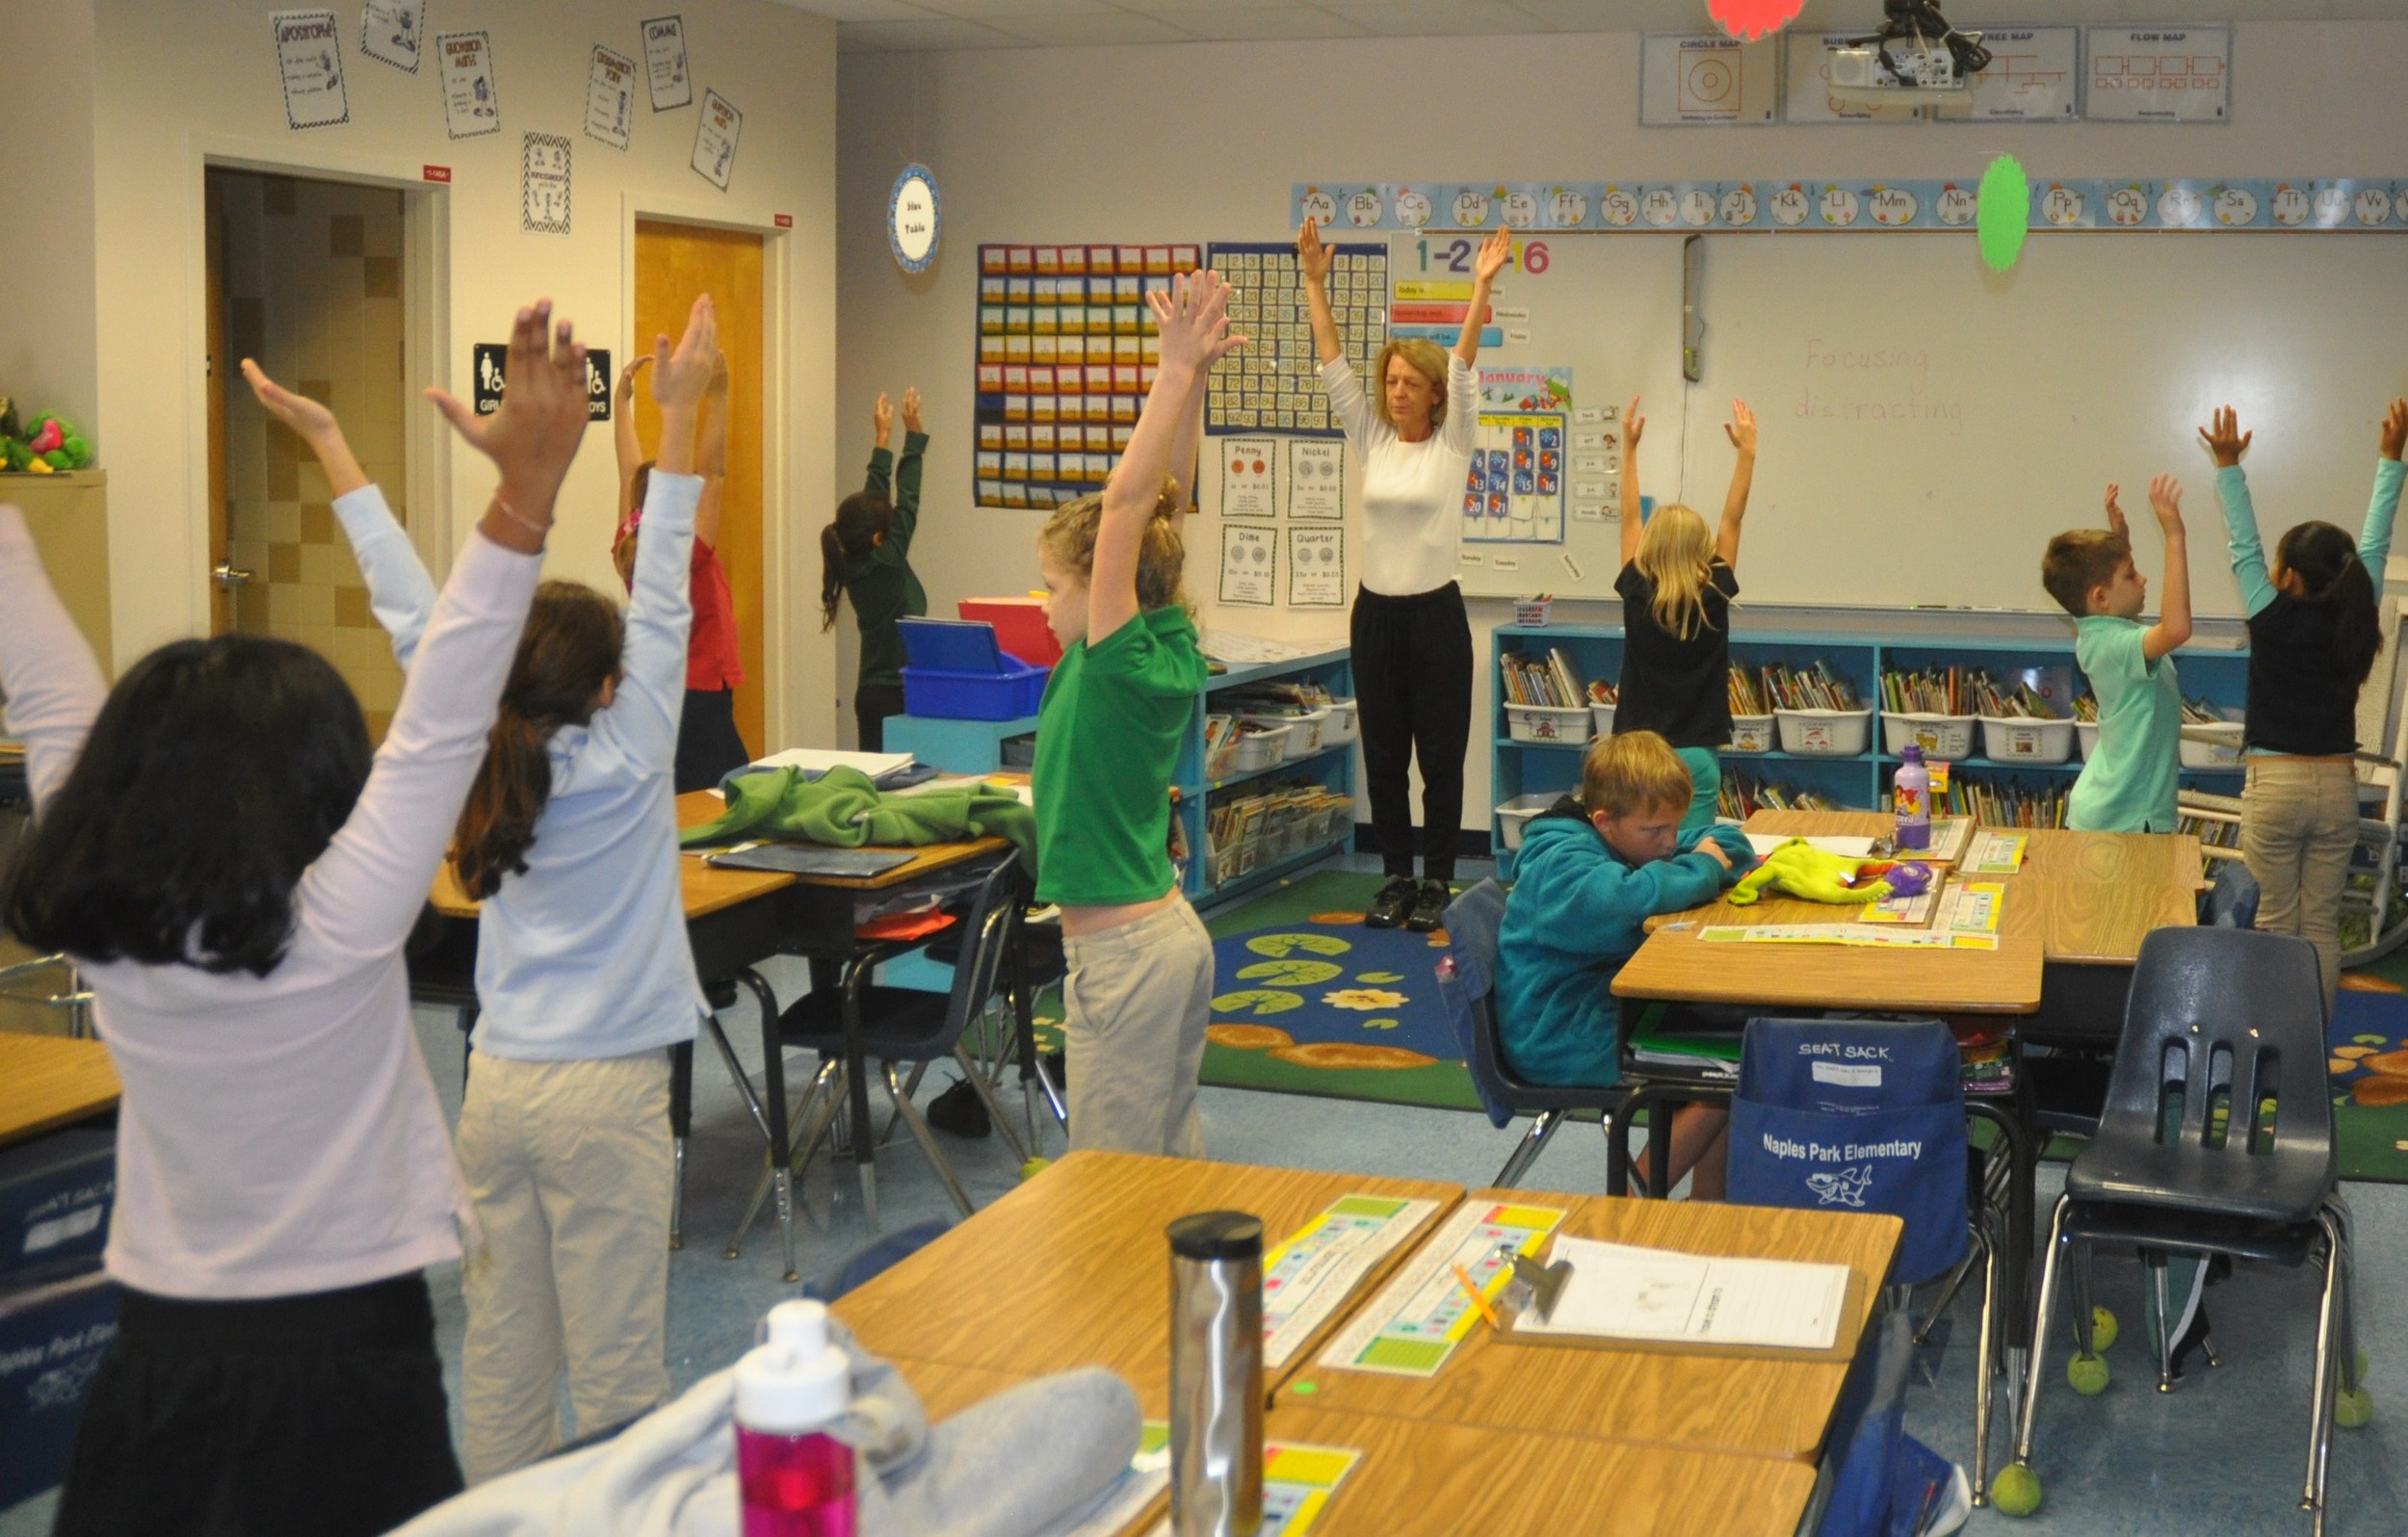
(314, 1416)
(872, 704)
(708, 744)
(1413, 688)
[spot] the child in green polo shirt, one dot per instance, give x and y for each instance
(2129, 783)
(1139, 987)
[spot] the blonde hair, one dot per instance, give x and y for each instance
(1634, 771)
(1676, 555)
(1068, 538)
(2075, 562)
(1425, 359)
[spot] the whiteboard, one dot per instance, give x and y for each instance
(1928, 425)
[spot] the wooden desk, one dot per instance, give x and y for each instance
(47, 1082)
(1773, 1408)
(1676, 965)
(1072, 1268)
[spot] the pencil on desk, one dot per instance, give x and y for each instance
(1463, 1278)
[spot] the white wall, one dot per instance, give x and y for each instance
(180, 82)
(46, 332)
(1201, 142)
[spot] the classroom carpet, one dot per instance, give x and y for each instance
(2369, 1064)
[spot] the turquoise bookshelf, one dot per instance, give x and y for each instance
(1332, 768)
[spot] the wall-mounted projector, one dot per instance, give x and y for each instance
(1915, 56)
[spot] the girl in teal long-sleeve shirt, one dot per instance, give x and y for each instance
(2314, 633)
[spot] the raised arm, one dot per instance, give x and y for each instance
(2375, 539)
(897, 548)
(711, 458)
(1195, 335)
(367, 889)
(879, 480)
(1632, 425)
(1490, 260)
(1313, 265)
(53, 685)
(2227, 442)
(1740, 429)
(2173, 626)
(623, 439)
(1183, 449)
(399, 593)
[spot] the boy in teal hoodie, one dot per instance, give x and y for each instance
(1592, 870)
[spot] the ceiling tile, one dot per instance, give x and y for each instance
(864, 10)
(1244, 23)
(1429, 18)
(1003, 13)
(890, 37)
(1090, 31)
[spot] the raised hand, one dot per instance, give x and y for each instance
(1494, 253)
(2224, 437)
(682, 375)
(1195, 322)
(534, 437)
(1311, 254)
(2395, 428)
(627, 376)
(2166, 500)
(911, 408)
(303, 415)
(882, 418)
(1740, 429)
(2116, 524)
(1632, 425)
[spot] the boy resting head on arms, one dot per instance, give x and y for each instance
(2129, 785)
(1591, 872)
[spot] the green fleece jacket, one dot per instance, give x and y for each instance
(843, 810)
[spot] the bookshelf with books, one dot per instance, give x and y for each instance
(1911, 683)
(1239, 826)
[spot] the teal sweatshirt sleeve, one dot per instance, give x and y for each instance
(1593, 905)
(2374, 540)
(2241, 539)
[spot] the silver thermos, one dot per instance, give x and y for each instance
(1216, 1375)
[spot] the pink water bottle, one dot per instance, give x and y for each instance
(796, 1477)
(1911, 794)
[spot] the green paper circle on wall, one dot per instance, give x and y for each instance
(2003, 212)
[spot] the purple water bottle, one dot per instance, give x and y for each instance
(795, 1477)
(1911, 795)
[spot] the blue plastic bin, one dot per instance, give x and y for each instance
(958, 672)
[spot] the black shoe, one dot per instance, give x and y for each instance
(1429, 908)
(1393, 901)
(960, 1111)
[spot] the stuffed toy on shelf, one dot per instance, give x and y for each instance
(48, 444)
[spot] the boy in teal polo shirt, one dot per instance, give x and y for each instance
(2129, 784)
(1139, 987)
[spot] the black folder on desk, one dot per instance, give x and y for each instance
(811, 859)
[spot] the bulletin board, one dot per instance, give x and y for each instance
(1066, 351)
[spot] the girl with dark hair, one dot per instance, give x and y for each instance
(569, 840)
(236, 872)
(865, 554)
(2314, 629)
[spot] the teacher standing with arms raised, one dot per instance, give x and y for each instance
(1412, 641)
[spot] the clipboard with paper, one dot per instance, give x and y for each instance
(1621, 1296)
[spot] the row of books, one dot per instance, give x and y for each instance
(1960, 692)
(1745, 794)
(1814, 688)
(2201, 712)
(1246, 832)
(1997, 802)
(2212, 832)
(1551, 681)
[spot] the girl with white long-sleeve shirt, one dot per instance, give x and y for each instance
(584, 975)
(1410, 639)
(215, 843)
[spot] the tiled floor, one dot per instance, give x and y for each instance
(2223, 1453)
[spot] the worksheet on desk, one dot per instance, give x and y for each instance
(1309, 1276)
(1621, 1291)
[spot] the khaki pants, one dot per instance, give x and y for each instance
(2298, 826)
(570, 1166)
(1136, 999)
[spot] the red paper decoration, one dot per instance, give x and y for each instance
(1750, 19)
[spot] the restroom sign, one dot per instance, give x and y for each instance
(489, 362)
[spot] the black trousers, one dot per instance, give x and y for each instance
(871, 706)
(1413, 687)
(708, 743)
(315, 1416)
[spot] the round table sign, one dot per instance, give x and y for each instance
(913, 220)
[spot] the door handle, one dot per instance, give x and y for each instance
(230, 576)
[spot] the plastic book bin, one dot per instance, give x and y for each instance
(958, 671)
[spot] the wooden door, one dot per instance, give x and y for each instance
(673, 263)
(215, 367)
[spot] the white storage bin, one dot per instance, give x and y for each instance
(1602, 717)
(2023, 738)
(1824, 733)
(1304, 733)
(1751, 733)
(1343, 726)
(1946, 738)
(1259, 749)
(1513, 818)
(1546, 724)
(2087, 732)
(2224, 752)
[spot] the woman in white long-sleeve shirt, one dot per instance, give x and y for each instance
(1411, 640)
(213, 841)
